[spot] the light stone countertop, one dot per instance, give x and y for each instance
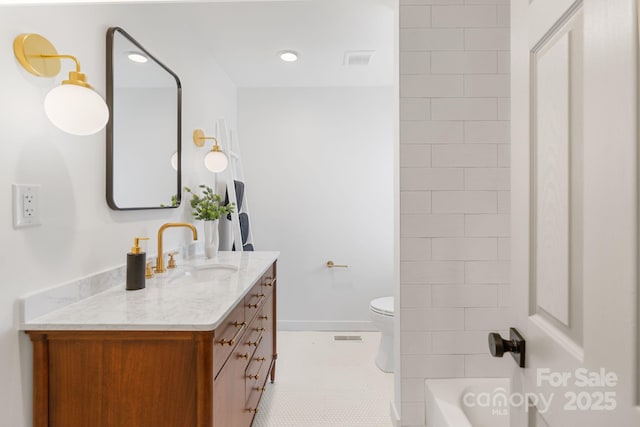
(171, 301)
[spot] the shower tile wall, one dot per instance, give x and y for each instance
(454, 181)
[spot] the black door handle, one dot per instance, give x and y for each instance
(498, 346)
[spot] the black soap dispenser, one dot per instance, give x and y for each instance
(136, 263)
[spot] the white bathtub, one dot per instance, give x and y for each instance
(467, 402)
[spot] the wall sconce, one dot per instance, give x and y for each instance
(215, 160)
(73, 107)
(174, 161)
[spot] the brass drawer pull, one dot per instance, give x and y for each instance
(243, 356)
(242, 326)
(257, 375)
(253, 410)
(256, 342)
(270, 281)
(259, 303)
(264, 317)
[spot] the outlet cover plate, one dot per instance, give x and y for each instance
(26, 205)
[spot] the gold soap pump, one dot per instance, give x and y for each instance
(136, 262)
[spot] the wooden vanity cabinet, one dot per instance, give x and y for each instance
(247, 366)
(159, 378)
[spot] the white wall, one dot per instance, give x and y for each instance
(79, 234)
(319, 174)
(454, 181)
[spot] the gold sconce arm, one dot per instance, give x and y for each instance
(42, 55)
(35, 53)
(75, 77)
(199, 138)
(39, 57)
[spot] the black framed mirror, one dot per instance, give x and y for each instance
(143, 133)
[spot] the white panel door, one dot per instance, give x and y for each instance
(574, 211)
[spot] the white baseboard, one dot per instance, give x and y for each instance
(395, 416)
(325, 325)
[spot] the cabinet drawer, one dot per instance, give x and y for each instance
(255, 378)
(258, 369)
(254, 387)
(260, 292)
(266, 344)
(268, 281)
(227, 336)
(253, 337)
(230, 408)
(254, 300)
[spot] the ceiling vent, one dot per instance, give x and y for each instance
(358, 58)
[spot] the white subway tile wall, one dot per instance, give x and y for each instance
(504, 202)
(465, 202)
(431, 225)
(415, 202)
(486, 225)
(504, 109)
(464, 16)
(464, 62)
(417, 249)
(487, 178)
(483, 365)
(464, 342)
(504, 248)
(415, 62)
(455, 200)
(413, 387)
(465, 249)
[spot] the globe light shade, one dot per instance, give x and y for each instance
(76, 109)
(174, 161)
(216, 161)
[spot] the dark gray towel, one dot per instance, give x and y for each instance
(239, 196)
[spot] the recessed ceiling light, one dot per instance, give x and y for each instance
(137, 57)
(289, 56)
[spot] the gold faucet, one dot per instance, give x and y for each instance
(160, 259)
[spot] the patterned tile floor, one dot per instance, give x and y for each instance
(325, 383)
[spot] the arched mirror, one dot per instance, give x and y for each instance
(143, 133)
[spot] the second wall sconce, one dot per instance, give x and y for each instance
(215, 160)
(73, 107)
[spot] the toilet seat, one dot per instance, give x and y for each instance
(382, 306)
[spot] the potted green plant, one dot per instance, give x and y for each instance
(208, 207)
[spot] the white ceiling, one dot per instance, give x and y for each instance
(245, 39)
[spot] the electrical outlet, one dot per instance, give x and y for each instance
(26, 205)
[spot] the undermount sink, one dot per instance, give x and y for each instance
(204, 273)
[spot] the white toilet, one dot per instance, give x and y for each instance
(381, 312)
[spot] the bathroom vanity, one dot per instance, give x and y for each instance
(194, 348)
